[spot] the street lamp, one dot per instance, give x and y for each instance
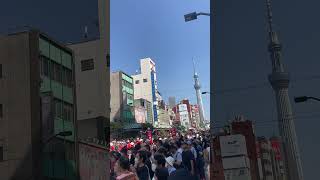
(304, 98)
(193, 16)
(206, 92)
(63, 134)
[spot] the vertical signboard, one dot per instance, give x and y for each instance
(154, 98)
(259, 160)
(140, 114)
(276, 148)
(183, 108)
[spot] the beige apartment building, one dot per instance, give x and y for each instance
(92, 68)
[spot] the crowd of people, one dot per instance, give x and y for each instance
(179, 157)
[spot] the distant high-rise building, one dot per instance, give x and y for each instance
(146, 86)
(122, 94)
(172, 102)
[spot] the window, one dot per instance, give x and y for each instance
(58, 108)
(1, 153)
(1, 111)
(44, 66)
(145, 80)
(67, 112)
(87, 65)
(57, 73)
(127, 84)
(108, 60)
(130, 97)
(137, 81)
(67, 77)
(51, 69)
(44, 47)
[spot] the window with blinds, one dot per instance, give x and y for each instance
(87, 65)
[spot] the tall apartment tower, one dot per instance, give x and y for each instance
(92, 62)
(37, 102)
(146, 86)
(172, 102)
(279, 80)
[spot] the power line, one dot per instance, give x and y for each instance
(249, 87)
(275, 121)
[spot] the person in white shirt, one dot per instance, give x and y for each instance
(169, 164)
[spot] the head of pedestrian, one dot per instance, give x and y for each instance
(140, 158)
(160, 161)
(147, 147)
(115, 156)
(159, 142)
(190, 144)
(173, 149)
(162, 151)
(124, 151)
(185, 146)
(122, 165)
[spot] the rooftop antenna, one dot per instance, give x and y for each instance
(275, 46)
(194, 66)
(270, 23)
(86, 32)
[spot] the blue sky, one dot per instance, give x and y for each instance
(156, 29)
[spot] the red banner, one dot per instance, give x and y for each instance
(276, 148)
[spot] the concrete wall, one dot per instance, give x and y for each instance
(93, 162)
(116, 96)
(91, 86)
(15, 91)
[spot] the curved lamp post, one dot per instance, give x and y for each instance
(301, 99)
(194, 15)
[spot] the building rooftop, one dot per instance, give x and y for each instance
(28, 29)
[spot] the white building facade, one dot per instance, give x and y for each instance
(146, 86)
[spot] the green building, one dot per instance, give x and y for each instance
(57, 74)
(37, 97)
(122, 93)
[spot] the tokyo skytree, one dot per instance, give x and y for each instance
(279, 80)
(197, 87)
